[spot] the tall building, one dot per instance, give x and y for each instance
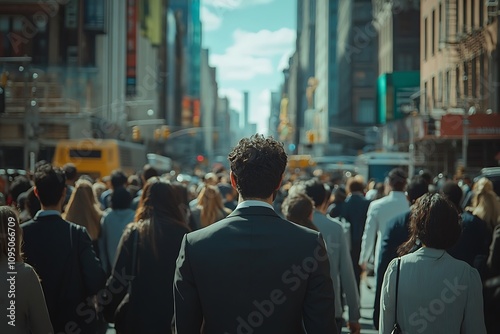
(306, 50)
(323, 100)
(188, 11)
(357, 41)
(459, 101)
(246, 108)
(398, 27)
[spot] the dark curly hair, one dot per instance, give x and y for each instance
(434, 221)
(258, 165)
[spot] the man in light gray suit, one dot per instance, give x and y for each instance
(341, 268)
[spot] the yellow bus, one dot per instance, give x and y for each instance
(99, 157)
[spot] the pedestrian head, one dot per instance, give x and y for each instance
(315, 189)
(434, 222)
(158, 205)
(118, 179)
(210, 202)
(121, 199)
(159, 202)
(50, 185)
(298, 208)
(485, 202)
(397, 179)
(257, 166)
(417, 188)
(71, 172)
(10, 231)
(453, 192)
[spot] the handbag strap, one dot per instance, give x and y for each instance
(397, 288)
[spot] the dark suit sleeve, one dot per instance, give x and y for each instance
(93, 274)
(385, 257)
(188, 315)
(319, 303)
(121, 275)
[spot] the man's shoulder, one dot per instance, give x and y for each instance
(232, 224)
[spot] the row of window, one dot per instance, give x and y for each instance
(469, 82)
(454, 17)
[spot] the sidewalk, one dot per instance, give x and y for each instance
(367, 297)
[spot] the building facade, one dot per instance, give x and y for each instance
(458, 121)
(357, 44)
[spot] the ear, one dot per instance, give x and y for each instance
(35, 191)
(233, 179)
(281, 181)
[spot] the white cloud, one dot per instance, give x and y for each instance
(233, 4)
(284, 60)
(211, 21)
(235, 97)
(252, 53)
(260, 113)
(240, 67)
(263, 43)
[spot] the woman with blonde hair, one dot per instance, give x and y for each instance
(210, 208)
(24, 309)
(83, 209)
(485, 204)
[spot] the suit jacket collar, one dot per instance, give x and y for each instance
(254, 211)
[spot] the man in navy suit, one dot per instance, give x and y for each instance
(354, 211)
(254, 272)
(62, 255)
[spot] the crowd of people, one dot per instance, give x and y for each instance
(251, 249)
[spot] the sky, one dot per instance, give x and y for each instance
(249, 43)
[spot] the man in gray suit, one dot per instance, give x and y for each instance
(254, 272)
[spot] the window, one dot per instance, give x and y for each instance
(433, 92)
(473, 71)
(366, 111)
(481, 13)
(440, 88)
(464, 15)
(440, 27)
(404, 62)
(448, 88)
(425, 39)
(78, 153)
(433, 32)
(472, 13)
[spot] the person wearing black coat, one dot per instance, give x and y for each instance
(140, 286)
(61, 253)
(254, 272)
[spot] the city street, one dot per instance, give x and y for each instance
(367, 296)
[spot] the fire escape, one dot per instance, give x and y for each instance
(466, 44)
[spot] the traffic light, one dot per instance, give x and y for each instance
(165, 132)
(136, 133)
(200, 158)
(157, 134)
(310, 136)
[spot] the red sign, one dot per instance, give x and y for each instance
(131, 47)
(479, 126)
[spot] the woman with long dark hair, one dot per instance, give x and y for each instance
(436, 293)
(140, 286)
